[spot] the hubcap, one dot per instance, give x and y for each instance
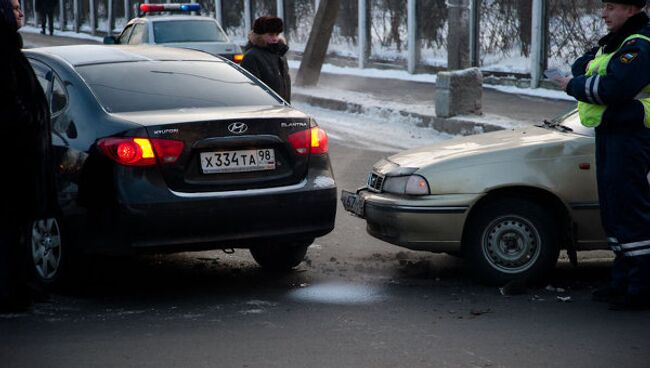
(511, 244)
(46, 248)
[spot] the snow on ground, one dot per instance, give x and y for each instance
(387, 105)
(377, 130)
(70, 34)
(372, 73)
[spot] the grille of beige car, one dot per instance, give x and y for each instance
(375, 182)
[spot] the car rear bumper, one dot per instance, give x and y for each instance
(432, 223)
(160, 220)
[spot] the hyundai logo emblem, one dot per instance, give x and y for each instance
(238, 128)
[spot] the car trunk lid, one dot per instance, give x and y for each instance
(229, 148)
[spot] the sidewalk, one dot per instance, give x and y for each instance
(417, 100)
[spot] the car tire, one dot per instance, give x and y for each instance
(279, 257)
(512, 239)
(50, 255)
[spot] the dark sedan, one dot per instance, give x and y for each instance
(168, 150)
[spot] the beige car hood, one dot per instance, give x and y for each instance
(487, 145)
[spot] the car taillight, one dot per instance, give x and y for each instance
(237, 58)
(312, 140)
(141, 151)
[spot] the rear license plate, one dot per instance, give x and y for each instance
(237, 161)
(353, 203)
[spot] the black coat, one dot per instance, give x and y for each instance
(269, 65)
(46, 5)
(27, 181)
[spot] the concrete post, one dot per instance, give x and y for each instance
(458, 35)
(413, 37)
(459, 92)
(218, 12)
(474, 33)
(248, 15)
(363, 36)
(538, 43)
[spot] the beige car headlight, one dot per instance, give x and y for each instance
(412, 185)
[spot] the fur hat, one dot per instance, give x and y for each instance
(639, 3)
(268, 24)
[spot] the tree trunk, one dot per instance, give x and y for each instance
(319, 39)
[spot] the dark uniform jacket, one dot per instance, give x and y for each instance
(628, 72)
(268, 64)
(25, 152)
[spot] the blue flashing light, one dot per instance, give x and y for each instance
(191, 7)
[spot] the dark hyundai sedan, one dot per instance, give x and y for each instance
(167, 150)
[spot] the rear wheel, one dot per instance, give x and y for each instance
(280, 257)
(51, 255)
(512, 239)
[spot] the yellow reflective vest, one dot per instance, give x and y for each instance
(591, 114)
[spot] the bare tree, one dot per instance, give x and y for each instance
(319, 39)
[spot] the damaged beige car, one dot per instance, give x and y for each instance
(507, 201)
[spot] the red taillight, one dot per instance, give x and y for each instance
(319, 141)
(312, 140)
(141, 151)
(168, 150)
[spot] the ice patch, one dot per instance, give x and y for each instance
(337, 293)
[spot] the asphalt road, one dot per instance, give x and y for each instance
(355, 302)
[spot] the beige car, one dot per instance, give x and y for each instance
(508, 201)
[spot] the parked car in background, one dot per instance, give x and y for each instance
(185, 31)
(507, 201)
(167, 150)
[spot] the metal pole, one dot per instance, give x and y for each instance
(413, 44)
(127, 10)
(34, 15)
(248, 11)
(218, 12)
(363, 40)
(75, 13)
(538, 45)
(474, 33)
(93, 20)
(111, 18)
(62, 15)
(280, 9)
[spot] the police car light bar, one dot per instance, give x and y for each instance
(150, 8)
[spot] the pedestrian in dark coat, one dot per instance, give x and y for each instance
(265, 55)
(612, 85)
(27, 182)
(45, 9)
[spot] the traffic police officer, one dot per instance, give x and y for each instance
(612, 84)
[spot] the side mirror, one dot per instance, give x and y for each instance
(110, 40)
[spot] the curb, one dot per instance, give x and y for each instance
(453, 126)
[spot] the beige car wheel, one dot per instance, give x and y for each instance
(512, 239)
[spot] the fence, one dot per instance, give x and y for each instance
(505, 35)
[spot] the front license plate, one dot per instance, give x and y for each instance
(353, 203)
(237, 161)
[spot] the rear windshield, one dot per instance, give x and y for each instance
(165, 85)
(187, 31)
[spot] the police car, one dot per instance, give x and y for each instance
(182, 30)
